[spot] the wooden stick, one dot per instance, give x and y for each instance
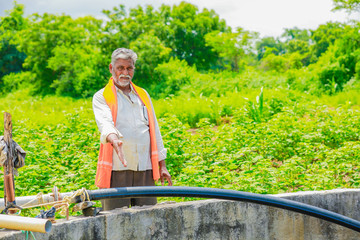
(9, 187)
(7, 138)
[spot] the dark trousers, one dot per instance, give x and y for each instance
(129, 178)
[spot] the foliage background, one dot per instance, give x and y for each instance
(236, 111)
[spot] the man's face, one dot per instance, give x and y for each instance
(122, 72)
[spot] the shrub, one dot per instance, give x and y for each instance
(16, 81)
(173, 76)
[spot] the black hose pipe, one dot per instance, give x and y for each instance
(132, 192)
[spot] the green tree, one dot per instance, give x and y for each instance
(151, 52)
(173, 75)
(296, 45)
(298, 41)
(113, 35)
(324, 36)
(187, 37)
(77, 69)
(296, 33)
(341, 62)
(231, 46)
(349, 5)
(181, 28)
(277, 47)
(278, 63)
(57, 49)
(11, 59)
(124, 28)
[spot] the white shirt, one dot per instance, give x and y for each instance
(132, 128)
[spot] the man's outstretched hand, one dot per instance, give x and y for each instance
(117, 145)
(164, 174)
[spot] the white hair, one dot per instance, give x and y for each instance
(123, 53)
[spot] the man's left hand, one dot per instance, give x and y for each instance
(164, 174)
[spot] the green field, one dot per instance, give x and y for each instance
(294, 142)
(263, 115)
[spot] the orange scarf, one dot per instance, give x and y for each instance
(104, 166)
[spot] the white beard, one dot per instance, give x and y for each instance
(123, 82)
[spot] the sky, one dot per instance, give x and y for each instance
(268, 17)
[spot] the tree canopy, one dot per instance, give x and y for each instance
(349, 5)
(57, 54)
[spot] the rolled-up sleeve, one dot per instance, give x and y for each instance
(160, 145)
(103, 117)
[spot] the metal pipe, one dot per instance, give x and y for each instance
(9, 187)
(34, 200)
(267, 200)
(25, 223)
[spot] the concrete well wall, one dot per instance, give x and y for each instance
(211, 219)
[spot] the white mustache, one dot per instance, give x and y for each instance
(124, 76)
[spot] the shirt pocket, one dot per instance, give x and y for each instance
(145, 117)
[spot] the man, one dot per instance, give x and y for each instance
(132, 152)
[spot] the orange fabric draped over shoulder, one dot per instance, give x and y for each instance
(151, 116)
(104, 166)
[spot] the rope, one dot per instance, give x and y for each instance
(39, 198)
(10, 206)
(27, 234)
(62, 205)
(84, 195)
